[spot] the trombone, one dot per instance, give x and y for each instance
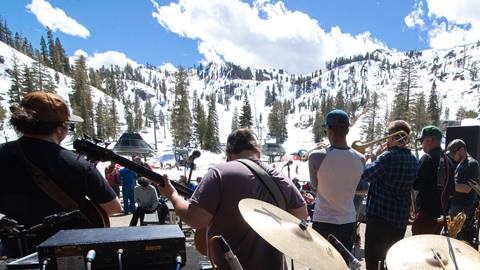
(358, 145)
(305, 154)
(362, 147)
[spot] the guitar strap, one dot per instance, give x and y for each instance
(268, 182)
(42, 180)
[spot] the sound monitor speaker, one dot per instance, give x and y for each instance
(469, 134)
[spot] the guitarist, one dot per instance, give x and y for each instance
(44, 120)
(214, 204)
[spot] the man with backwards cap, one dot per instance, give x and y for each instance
(464, 197)
(44, 121)
(428, 198)
(335, 173)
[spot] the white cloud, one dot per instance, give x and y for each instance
(56, 19)
(264, 34)
(450, 23)
(415, 17)
(462, 22)
(106, 59)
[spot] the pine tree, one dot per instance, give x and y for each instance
(15, 91)
(18, 42)
(433, 107)
(27, 80)
(100, 121)
(245, 120)
(277, 122)
(181, 117)
(129, 116)
(235, 119)
(420, 115)
(408, 81)
(369, 129)
(199, 123)
(137, 112)
(43, 80)
(3, 115)
(340, 100)
(112, 127)
(318, 130)
(51, 49)
(81, 97)
(212, 141)
(44, 52)
(59, 56)
(148, 113)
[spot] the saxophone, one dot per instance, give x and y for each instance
(455, 224)
(412, 214)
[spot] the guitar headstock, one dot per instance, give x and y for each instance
(93, 150)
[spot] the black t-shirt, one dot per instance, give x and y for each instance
(428, 199)
(22, 200)
(467, 170)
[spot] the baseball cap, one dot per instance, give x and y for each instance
(49, 107)
(430, 131)
(455, 145)
(337, 118)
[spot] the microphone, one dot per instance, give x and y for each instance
(195, 154)
(353, 261)
(287, 164)
(231, 259)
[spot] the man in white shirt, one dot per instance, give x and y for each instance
(146, 198)
(335, 173)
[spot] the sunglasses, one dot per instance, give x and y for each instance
(70, 126)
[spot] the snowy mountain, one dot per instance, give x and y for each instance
(454, 71)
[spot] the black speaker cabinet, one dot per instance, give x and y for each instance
(469, 134)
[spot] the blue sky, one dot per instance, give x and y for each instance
(298, 35)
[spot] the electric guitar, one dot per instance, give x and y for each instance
(95, 152)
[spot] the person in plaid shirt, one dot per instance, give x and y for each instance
(391, 178)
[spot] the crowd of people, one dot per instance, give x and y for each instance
(339, 178)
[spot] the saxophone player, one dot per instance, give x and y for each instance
(464, 197)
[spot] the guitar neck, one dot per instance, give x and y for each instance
(151, 175)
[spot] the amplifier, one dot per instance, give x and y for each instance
(144, 247)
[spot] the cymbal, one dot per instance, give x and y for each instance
(282, 231)
(416, 253)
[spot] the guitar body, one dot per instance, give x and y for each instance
(94, 214)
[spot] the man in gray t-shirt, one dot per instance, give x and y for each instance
(215, 204)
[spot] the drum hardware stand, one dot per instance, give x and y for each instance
(11, 228)
(354, 263)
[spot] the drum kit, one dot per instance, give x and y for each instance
(294, 238)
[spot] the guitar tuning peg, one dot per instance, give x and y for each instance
(97, 140)
(107, 144)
